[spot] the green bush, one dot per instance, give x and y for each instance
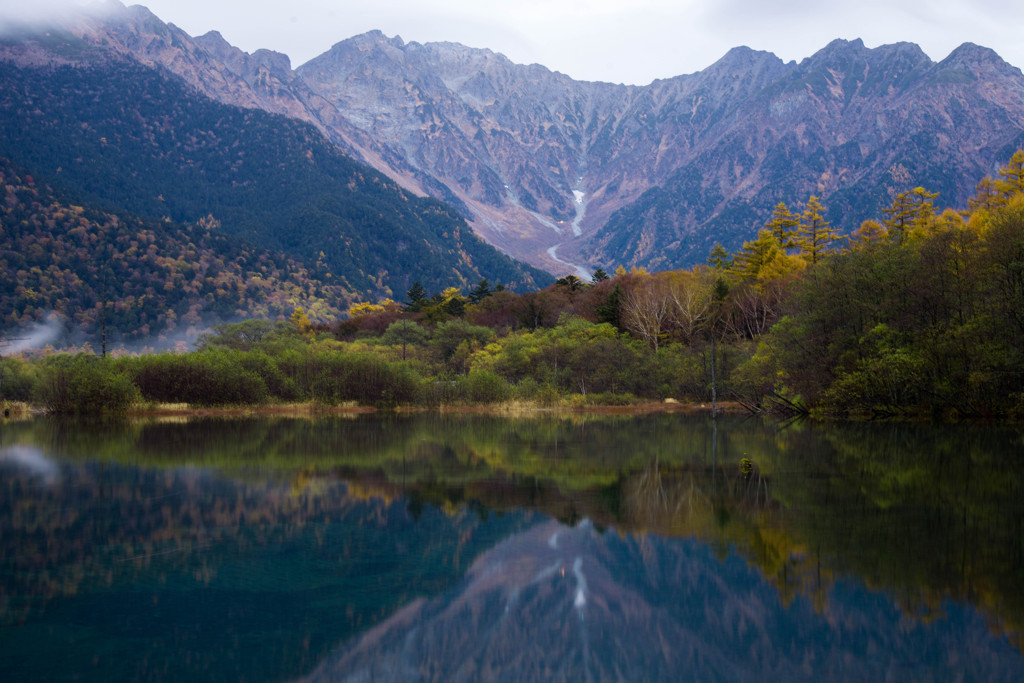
(278, 385)
(548, 395)
(206, 378)
(18, 380)
(362, 377)
(449, 335)
(444, 390)
(527, 389)
(84, 384)
(483, 386)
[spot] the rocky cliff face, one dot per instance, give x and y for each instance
(655, 175)
(849, 124)
(557, 171)
(512, 142)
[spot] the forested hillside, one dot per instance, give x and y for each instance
(149, 279)
(110, 133)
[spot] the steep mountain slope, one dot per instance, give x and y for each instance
(557, 171)
(511, 142)
(665, 170)
(852, 125)
(262, 80)
(113, 133)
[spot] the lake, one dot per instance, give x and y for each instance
(473, 547)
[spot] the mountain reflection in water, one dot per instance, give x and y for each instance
(560, 603)
(481, 548)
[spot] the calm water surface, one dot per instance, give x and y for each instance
(481, 548)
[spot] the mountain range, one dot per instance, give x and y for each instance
(365, 162)
(556, 171)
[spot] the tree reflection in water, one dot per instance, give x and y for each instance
(829, 521)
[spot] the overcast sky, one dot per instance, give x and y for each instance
(628, 41)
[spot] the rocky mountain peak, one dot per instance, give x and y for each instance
(278, 62)
(909, 51)
(904, 56)
(839, 48)
(371, 40)
(745, 58)
(134, 17)
(977, 60)
(970, 53)
(376, 37)
(726, 85)
(214, 43)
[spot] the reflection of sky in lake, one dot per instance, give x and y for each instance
(31, 460)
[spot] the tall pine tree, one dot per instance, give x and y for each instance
(815, 235)
(783, 226)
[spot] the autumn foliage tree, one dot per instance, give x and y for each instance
(909, 209)
(783, 226)
(814, 235)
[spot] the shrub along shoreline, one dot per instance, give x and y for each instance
(283, 367)
(314, 380)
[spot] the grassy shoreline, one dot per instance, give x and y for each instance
(519, 408)
(310, 408)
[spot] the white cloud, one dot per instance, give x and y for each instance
(35, 11)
